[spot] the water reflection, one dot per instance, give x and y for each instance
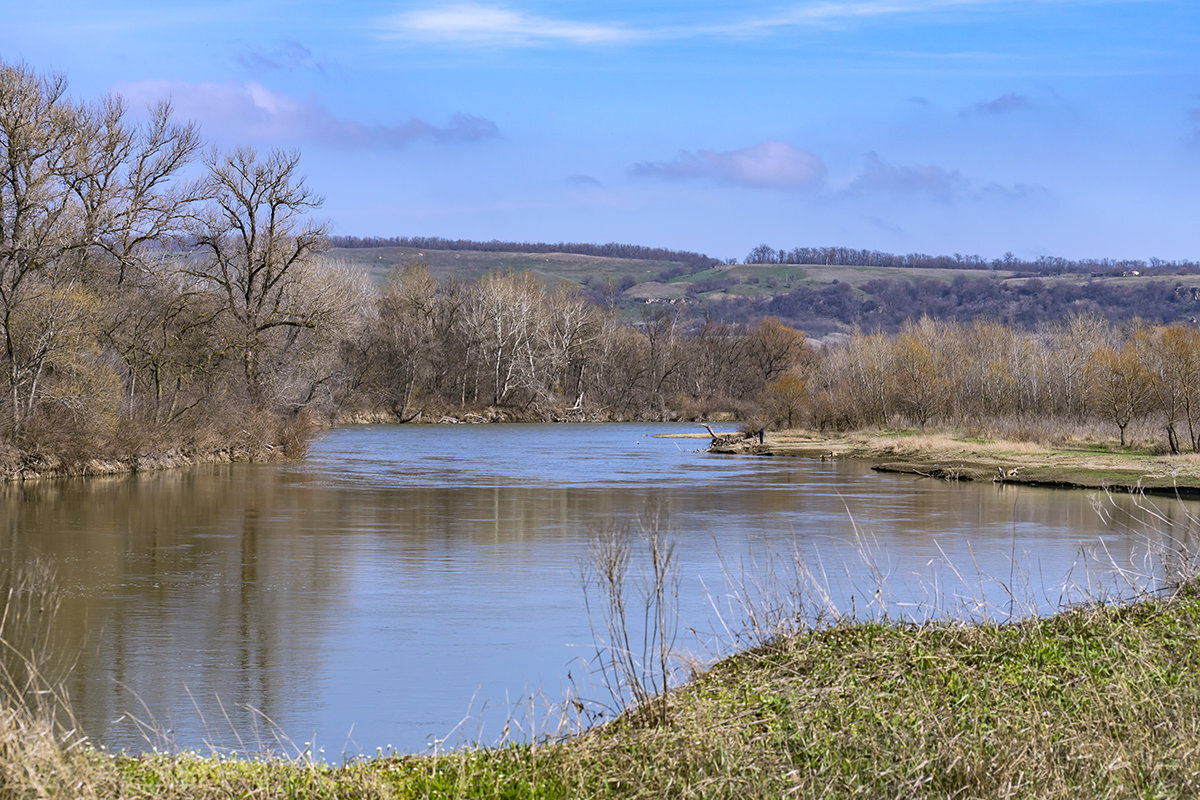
(365, 596)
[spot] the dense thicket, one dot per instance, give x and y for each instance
(512, 342)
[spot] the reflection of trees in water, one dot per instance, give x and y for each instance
(174, 579)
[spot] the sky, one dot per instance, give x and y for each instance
(1037, 127)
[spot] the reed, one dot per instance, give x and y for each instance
(42, 752)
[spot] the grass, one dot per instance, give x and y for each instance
(1099, 701)
(472, 264)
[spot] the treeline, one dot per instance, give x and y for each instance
(513, 344)
(160, 298)
(887, 305)
(1043, 265)
(157, 298)
(694, 262)
(1085, 374)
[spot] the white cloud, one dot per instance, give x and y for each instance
(472, 24)
(584, 182)
(825, 14)
(491, 25)
(770, 164)
(250, 111)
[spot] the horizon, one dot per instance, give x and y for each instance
(1066, 128)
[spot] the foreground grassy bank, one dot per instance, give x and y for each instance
(1099, 701)
(1088, 465)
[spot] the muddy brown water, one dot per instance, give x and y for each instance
(405, 586)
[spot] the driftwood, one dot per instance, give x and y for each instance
(735, 440)
(1001, 474)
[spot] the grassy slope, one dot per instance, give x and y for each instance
(1098, 702)
(470, 264)
(752, 280)
(755, 279)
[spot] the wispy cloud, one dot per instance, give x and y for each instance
(584, 182)
(836, 14)
(497, 25)
(476, 24)
(770, 164)
(1003, 104)
(934, 182)
(288, 55)
(1017, 192)
(249, 111)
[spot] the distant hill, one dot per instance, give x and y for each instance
(470, 264)
(818, 298)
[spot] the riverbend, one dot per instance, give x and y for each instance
(412, 588)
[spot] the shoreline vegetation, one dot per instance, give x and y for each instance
(949, 456)
(164, 302)
(1100, 701)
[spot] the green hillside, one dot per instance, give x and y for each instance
(470, 264)
(819, 298)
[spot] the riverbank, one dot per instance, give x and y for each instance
(1100, 701)
(529, 414)
(31, 467)
(945, 456)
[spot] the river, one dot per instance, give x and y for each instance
(408, 587)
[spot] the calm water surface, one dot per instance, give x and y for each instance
(404, 585)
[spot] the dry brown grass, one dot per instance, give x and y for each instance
(42, 753)
(1065, 461)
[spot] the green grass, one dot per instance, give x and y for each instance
(1099, 702)
(471, 264)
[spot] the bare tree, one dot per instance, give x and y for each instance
(571, 333)
(1119, 385)
(507, 319)
(773, 349)
(254, 246)
(40, 145)
(131, 195)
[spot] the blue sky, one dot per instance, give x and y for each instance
(1060, 127)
